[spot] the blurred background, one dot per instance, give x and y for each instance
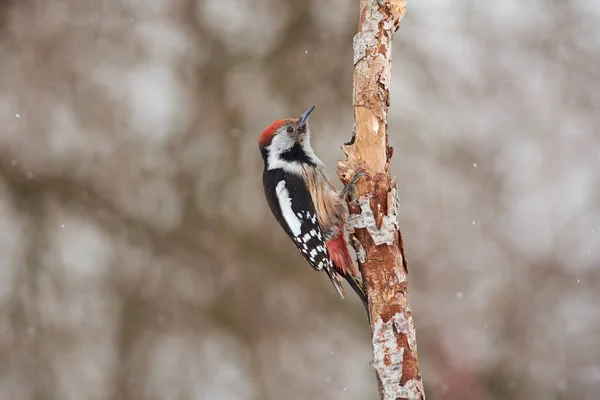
(138, 257)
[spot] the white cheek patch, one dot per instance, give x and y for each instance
(285, 203)
(280, 143)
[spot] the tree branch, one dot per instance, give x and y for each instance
(373, 222)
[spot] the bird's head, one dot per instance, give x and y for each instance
(285, 134)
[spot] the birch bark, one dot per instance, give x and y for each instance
(373, 222)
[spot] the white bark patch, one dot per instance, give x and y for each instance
(406, 326)
(366, 219)
(361, 254)
(285, 203)
(367, 38)
(385, 76)
(387, 358)
(412, 390)
(388, 25)
(400, 275)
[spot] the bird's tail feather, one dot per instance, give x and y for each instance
(335, 279)
(359, 288)
(338, 251)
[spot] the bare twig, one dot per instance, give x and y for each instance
(373, 222)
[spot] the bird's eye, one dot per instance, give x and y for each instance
(289, 129)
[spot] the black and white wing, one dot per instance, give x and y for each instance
(292, 206)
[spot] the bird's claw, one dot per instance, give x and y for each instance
(359, 174)
(354, 200)
(351, 186)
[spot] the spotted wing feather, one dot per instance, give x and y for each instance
(293, 208)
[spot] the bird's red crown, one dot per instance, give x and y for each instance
(267, 135)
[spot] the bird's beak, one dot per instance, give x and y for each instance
(304, 117)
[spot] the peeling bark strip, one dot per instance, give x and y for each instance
(373, 222)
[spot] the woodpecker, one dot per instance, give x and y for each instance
(305, 202)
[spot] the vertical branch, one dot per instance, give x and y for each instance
(373, 221)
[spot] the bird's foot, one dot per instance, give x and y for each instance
(350, 188)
